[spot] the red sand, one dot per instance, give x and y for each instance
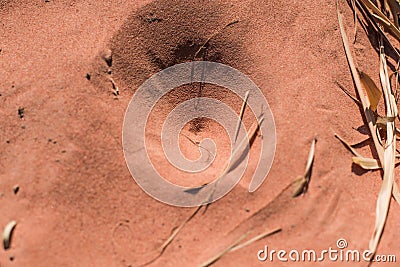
(78, 204)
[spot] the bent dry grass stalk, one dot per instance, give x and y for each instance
(380, 18)
(301, 183)
(236, 245)
(256, 238)
(223, 252)
(241, 115)
(386, 152)
(385, 193)
(363, 162)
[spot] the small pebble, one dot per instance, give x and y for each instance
(16, 189)
(21, 112)
(88, 76)
(11, 257)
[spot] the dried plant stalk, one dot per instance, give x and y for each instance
(301, 183)
(385, 193)
(246, 97)
(386, 154)
(223, 252)
(381, 18)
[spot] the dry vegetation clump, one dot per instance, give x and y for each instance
(383, 18)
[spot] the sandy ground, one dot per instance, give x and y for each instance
(77, 204)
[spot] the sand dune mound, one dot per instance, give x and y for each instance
(165, 33)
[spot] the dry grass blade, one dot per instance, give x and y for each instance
(348, 146)
(256, 238)
(159, 252)
(302, 182)
(394, 10)
(243, 146)
(381, 18)
(363, 162)
(384, 120)
(177, 230)
(373, 92)
(367, 163)
(222, 253)
(387, 155)
(241, 114)
(7, 233)
(368, 113)
(385, 193)
(367, 14)
(364, 100)
(203, 46)
(348, 93)
(300, 185)
(238, 153)
(353, 6)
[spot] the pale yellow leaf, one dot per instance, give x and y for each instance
(366, 163)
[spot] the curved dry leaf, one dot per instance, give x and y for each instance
(367, 163)
(7, 234)
(384, 120)
(373, 92)
(300, 184)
